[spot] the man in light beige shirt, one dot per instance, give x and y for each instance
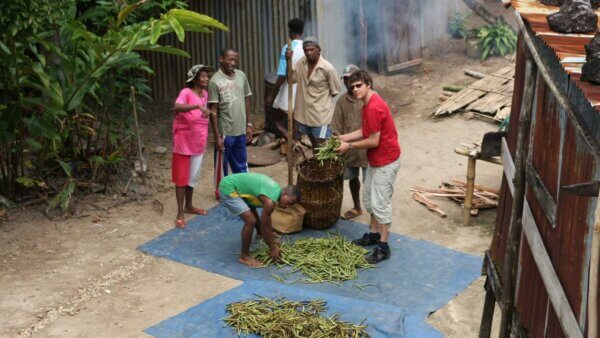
(317, 84)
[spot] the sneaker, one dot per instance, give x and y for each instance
(377, 255)
(365, 240)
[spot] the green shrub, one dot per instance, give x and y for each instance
(498, 39)
(68, 67)
(457, 26)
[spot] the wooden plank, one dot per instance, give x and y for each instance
(493, 91)
(508, 165)
(429, 204)
(404, 65)
(490, 103)
(494, 277)
(551, 282)
(467, 95)
(458, 101)
(541, 193)
(557, 295)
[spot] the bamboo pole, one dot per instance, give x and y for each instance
(470, 187)
(139, 137)
(290, 114)
(515, 227)
(363, 34)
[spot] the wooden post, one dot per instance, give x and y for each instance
(470, 187)
(593, 285)
(290, 114)
(515, 227)
(363, 34)
(139, 137)
(485, 329)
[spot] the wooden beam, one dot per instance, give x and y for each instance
(541, 193)
(518, 197)
(552, 284)
(487, 316)
(290, 116)
(466, 152)
(593, 284)
(493, 276)
(493, 294)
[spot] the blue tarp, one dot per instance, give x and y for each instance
(419, 278)
(204, 320)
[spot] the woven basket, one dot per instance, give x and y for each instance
(321, 192)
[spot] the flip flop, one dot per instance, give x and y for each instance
(350, 214)
(180, 224)
(196, 211)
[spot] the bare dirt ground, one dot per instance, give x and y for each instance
(84, 276)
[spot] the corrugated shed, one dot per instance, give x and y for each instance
(333, 33)
(435, 15)
(560, 156)
(258, 30)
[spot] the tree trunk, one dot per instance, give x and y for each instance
(480, 10)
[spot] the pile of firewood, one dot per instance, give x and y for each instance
(483, 197)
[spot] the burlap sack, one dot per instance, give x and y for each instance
(287, 221)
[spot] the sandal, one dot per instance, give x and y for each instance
(180, 224)
(195, 211)
(352, 213)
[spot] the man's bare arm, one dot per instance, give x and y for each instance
(266, 227)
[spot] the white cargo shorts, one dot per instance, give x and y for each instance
(378, 190)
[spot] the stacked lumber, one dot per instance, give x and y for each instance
(483, 197)
(491, 96)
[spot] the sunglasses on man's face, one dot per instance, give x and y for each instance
(356, 86)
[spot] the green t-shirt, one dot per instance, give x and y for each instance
(230, 94)
(249, 186)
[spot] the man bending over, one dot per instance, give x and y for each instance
(241, 194)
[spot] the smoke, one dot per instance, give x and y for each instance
(383, 34)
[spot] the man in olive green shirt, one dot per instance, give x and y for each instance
(242, 194)
(229, 102)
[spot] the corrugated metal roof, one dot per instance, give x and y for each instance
(569, 48)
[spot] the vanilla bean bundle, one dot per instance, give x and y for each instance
(285, 318)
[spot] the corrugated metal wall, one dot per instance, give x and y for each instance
(258, 30)
(333, 34)
(435, 15)
(559, 157)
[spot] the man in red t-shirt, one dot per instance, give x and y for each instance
(379, 136)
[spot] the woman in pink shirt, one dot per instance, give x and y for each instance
(190, 132)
